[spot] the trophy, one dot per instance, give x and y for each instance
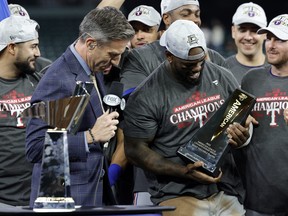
(210, 143)
(63, 116)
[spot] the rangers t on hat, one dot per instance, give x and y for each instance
(145, 14)
(250, 13)
(18, 10)
(181, 36)
(15, 29)
(277, 26)
(169, 5)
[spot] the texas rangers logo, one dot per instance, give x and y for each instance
(281, 21)
(251, 12)
(138, 12)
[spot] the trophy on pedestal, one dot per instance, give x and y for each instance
(63, 116)
(210, 143)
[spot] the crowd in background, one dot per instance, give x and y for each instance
(216, 21)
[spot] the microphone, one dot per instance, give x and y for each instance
(113, 100)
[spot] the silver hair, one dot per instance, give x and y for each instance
(105, 25)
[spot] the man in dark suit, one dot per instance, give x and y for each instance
(104, 34)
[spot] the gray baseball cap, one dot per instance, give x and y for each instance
(277, 26)
(169, 5)
(145, 14)
(250, 13)
(181, 36)
(16, 29)
(16, 9)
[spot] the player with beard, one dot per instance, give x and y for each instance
(154, 128)
(41, 62)
(141, 62)
(263, 162)
(18, 53)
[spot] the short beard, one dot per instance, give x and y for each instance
(25, 68)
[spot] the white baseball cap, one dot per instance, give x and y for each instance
(277, 26)
(169, 5)
(250, 13)
(145, 14)
(15, 29)
(18, 10)
(181, 36)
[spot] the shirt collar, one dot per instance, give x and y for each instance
(80, 59)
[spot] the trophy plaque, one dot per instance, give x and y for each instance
(63, 116)
(210, 143)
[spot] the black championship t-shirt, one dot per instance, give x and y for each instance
(165, 109)
(15, 171)
(263, 163)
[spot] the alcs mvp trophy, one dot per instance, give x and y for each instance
(210, 143)
(63, 116)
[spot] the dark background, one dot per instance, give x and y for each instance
(59, 19)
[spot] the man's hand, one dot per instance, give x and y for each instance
(104, 128)
(199, 176)
(249, 120)
(237, 134)
(285, 113)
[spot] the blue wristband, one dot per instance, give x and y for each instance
(114, 172)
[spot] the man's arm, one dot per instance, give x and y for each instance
(119, 160)
(113, 3)
(138, 152)
(119, 154)
(133, 71)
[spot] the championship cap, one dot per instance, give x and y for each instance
(169, 5)
(277, 26)
(250, 13)
(145, 14)
(18, 10)
(181, 36)
(15, 29)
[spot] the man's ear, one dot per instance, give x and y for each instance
(11, 48)
(166, 19)
(91, 43)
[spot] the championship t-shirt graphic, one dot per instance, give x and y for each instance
(196, 108)
(11, 106)
(271, 105)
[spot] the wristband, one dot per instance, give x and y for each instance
(92, 136)
(114, 172)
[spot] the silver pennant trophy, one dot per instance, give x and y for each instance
(64, 116)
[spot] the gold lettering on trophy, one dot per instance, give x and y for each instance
(231, 113)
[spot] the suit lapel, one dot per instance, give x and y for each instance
(81, 75)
